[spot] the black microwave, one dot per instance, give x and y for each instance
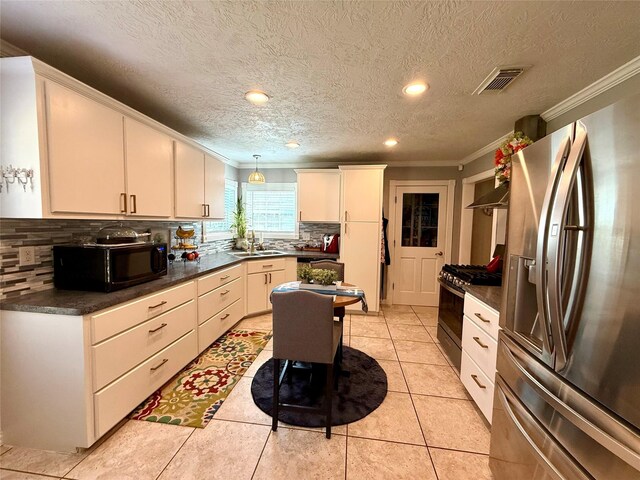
(105, 268)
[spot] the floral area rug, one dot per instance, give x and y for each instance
(193, 396)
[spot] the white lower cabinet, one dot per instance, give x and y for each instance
(220, 303)
(116, 400)
(263, 276)
(479, 352)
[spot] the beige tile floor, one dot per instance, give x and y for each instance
(426, 428)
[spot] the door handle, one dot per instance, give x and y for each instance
(345, 215)
(164, 302)
(164, 360)
(208, 210)
(300, 216)
(224, 317)
(225, 292)
(541, 253)
(123, 203)
(204, 209)
(153, 330)
(134, 205)
(475, 379)
(224, 278)
(439, 254)
(265, 279)
(556, 245)
(479, 315)
(477, 339)
(269, 278)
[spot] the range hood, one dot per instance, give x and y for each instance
(497, 198)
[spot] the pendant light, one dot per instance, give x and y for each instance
(256, 177)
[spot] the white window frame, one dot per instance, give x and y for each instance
(208, 236)
(276, 187)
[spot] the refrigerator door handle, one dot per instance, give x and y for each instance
(621, 445)
(525, 423)
(555, 247)
(540, 269)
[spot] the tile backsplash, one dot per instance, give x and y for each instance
(43, 234)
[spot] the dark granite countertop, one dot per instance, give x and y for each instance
(492, 296)
(75, 302)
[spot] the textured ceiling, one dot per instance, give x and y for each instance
(334, 70)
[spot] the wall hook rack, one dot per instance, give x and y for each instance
(22, 175)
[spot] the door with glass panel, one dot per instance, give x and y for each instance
(419, 243)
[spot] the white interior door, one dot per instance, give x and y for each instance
(419, 239)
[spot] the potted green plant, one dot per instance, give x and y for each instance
(316, 278)
(239, 225)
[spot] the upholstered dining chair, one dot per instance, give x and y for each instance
(304, 330)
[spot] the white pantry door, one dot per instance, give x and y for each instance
(419, 240)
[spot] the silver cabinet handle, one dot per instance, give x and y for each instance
(225, 316)
(123, 200)
(159, 328)
(208, 210)
(225, 292)
(269, 278)
(134, 204)
(164, 360)
(477, 339)
(204, 209)
(224, 278)
(164, 302)
(475, 379)
(479, 315)
(265, 279)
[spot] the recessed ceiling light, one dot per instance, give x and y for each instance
(391, 142)
(414, 89)
(256, 97)
(292, 144)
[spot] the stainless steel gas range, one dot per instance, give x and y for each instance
(452, 280)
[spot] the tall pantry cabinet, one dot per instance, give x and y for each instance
(361, 228)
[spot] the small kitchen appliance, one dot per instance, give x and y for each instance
(105, 268)
(331, 243)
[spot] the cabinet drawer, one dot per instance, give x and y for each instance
(482, 396)
(209, 282)
(121, 353)
(118, 319)
(481, 313)
(480, 347)
(265, 265)
(215, 326)
(114, 402)
(211, 303)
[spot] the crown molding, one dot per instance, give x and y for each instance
(336, 164)
(619, 75)
(484, 150)
(9, 50)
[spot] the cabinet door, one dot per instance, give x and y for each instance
(86, 153)
(360, 253)
(257, 284)
(189, 172)
(319, 196)
(362, 195)
(214, 186)
(275, 278)
(149, 156)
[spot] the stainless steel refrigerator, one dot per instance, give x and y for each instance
(567, 397)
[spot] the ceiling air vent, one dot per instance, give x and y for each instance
(499, 79)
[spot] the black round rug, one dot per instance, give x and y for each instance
(357, 395)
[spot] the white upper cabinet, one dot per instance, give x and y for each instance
(89, 156)
(189, 175)
(213, 187)
(319, 196)
(149, 161)
(199, 184)
(361, 193)
(86, 164)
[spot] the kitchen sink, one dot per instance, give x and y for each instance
(259, 253)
